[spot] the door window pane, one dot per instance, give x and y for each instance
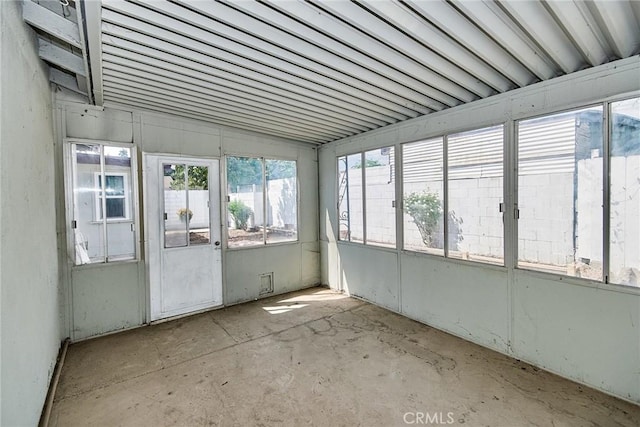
(96, 238)
(475, 169)
(560, 193)
(282, 214)
(176, 210)
(422, 168)
(624, 246)
(198, 195)
(380, 193)
(245, 210)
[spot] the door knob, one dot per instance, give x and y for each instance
(217, 243)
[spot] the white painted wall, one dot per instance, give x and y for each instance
(107, 298)
(583, 330)
(30, 326)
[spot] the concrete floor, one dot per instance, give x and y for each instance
(313, 357)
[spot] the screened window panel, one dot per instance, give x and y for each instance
(350, 198)
(380, 189)
(423, 204)
(560, 193)
(475, 191)
(245, 210)
(624, 232)
(282, 201)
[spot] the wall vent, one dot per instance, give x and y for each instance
(266, 283)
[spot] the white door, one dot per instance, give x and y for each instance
(182, 211)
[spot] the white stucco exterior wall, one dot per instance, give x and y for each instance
(30, 331)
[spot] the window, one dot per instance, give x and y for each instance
(100, 180)
(474, 193)
(366, 197)
(117, 202)
(262, 201)
(460, 216)
(624, 212)
(423, 205)
(186, 207)
(560, 182)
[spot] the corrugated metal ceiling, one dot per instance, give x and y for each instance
(323, 70)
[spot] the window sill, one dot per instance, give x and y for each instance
(368, 246)
(262, 245)
(103, 264)
(579, 281)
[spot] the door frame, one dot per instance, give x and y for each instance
(162, 157)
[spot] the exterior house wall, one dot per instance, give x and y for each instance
(29, 298)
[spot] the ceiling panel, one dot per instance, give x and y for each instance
(317, 71)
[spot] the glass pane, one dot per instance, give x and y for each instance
(176, 213)
(115, 207)
(115, 185)
(282, 201)
(560, 193)
(343, 200)
(624, 247)
(475, 192)
(422, 169)
(245, 209)
(356, 212)
(89, 241)
(121, 239)
(199, 224)
(380, 193)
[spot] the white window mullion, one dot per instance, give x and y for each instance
(264, 200)
(606, 189)
(186, 194)
(364, 197)
(103, 192)
(445, 192)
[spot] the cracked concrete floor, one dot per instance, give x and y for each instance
(313, 357)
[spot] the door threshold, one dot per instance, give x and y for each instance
(191, 313)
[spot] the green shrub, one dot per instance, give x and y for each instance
(426, 210)
(240, 213)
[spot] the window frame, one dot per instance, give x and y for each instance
(69, 169)
(227, 199)
(363, 159)
(445, 196)
(191, 162)
(607, 129)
